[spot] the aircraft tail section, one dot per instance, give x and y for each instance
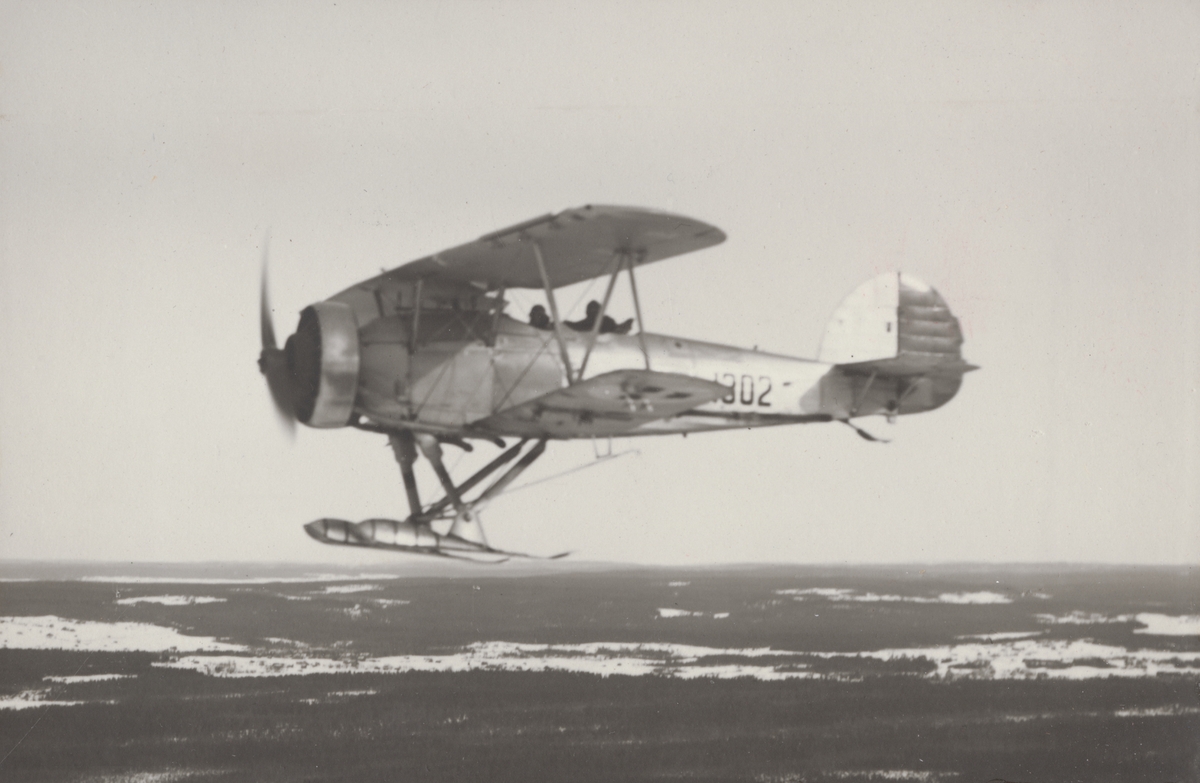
(896, 346)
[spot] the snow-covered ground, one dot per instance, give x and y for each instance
(1056, 659)
(1003, 655)
(26, 700)
(76, 678)
(881, 775)
(248, 580)
(1000, 637)
(56, 633)
(1023, 659)
(1166, 625)
(336, 695)
(604, 659)
(1083, 618)
(667, 613)
(171, 600)
(1156, 624)
(848, 594)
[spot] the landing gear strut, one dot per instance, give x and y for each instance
(425, 530)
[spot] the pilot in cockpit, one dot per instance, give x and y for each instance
(607, 324)
(539, 319)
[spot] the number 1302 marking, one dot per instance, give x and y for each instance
(741, 390)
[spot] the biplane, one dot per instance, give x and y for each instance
(426, 355)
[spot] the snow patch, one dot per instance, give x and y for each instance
(1023, 659)
(280, 640)
(668, 613)
(925, 776)
(248, 580)
(1156, 624)
(338, 589)
(1166, 625)
(1002, 636)
(171, 600)
(339, 695)
(75, 678)
(57, 633)
(1054, 659)
(1017, 660)
(847, 594)
(175, 775)
(600, 658)
(1169, 711)
(1083, 618)
(831, 593)
(26, 700)
(982, 597)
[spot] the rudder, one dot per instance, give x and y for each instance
(898, 345)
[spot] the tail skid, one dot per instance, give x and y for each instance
(864, 434)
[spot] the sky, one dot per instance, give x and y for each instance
(1038, 163)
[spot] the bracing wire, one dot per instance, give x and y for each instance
(576, 469)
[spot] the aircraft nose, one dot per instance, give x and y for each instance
(316, 529)
(333, 531)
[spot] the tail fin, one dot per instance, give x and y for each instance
(897, 343)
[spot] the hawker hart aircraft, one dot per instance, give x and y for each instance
(426, 355)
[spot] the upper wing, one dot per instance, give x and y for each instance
(577, 244)
(610, 404)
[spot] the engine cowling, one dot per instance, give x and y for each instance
(323, 361)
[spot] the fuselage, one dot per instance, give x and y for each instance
(452, 384)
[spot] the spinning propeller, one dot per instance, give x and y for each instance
(273, 361)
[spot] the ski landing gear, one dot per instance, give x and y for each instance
(449, 527)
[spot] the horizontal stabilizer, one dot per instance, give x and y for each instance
(614, 403)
